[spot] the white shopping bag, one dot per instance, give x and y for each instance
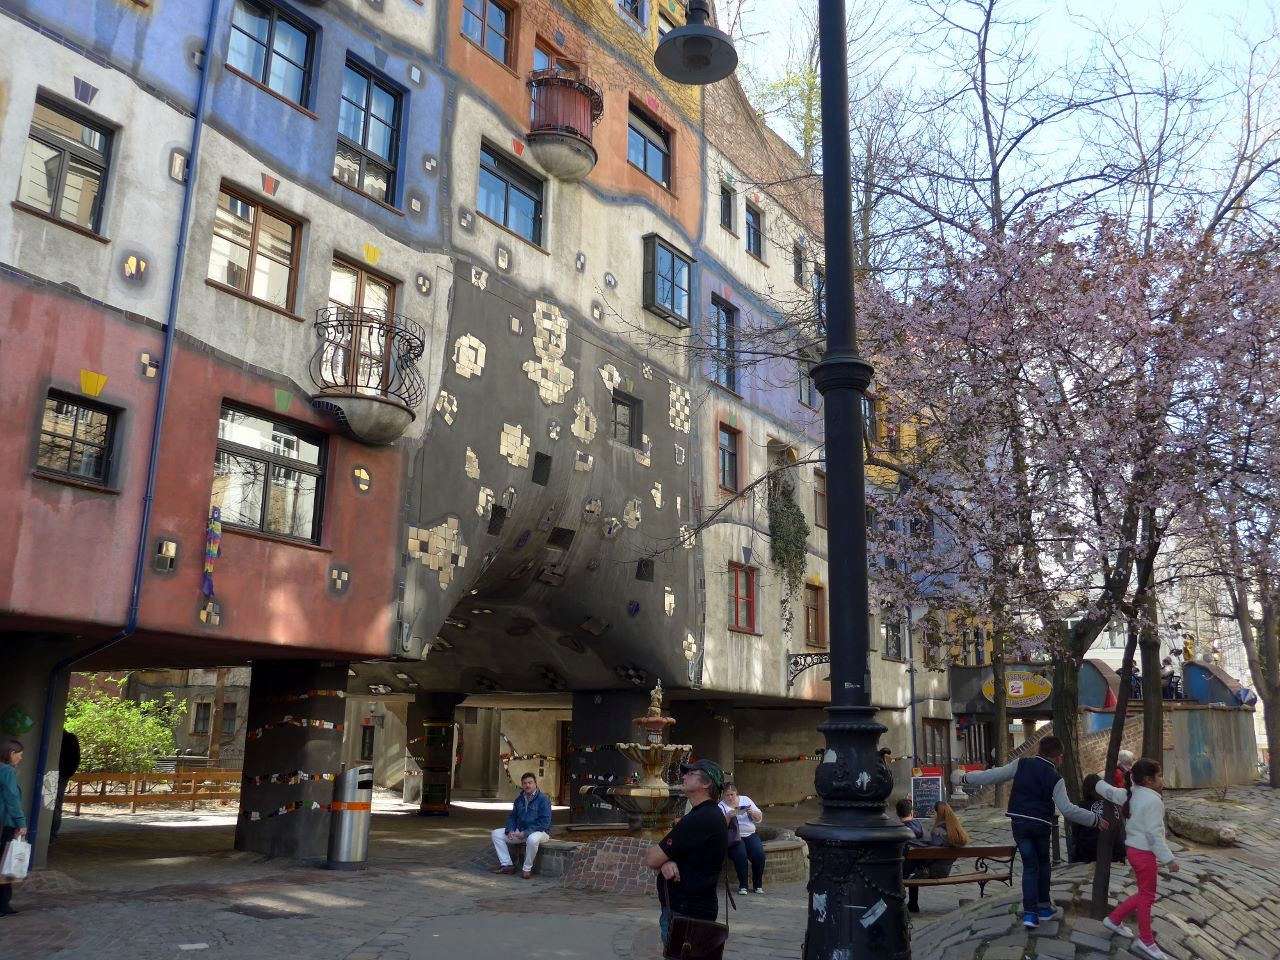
(17, 856)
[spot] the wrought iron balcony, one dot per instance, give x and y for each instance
(366, 370)
(566, 107)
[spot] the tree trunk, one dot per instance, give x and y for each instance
(1106, 841)
(215, 719)
(1152, 695)
(1001, 722)
(1066, 697)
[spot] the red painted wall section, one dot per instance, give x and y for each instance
(62, 548)
(269, 590)
(68, 552)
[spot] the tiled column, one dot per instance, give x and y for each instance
(429, 734)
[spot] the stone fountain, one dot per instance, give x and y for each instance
(650, 803)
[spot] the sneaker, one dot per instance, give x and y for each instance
(742, 891)
(501, 869)
(1119, 929)
(1049, 913)
(1151, 950)
(759, 889)
(1030, 920)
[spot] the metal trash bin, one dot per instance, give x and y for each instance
(352, 811)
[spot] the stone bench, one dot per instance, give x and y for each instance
(554, 858)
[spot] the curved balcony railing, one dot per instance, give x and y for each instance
(564, 102)
(368, 353)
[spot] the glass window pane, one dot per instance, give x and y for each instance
(87, 462)
(275, 237)
(383, 105)
(54, 453)
(286, 79)
(91, 426)
(59, 417)
(346, 165)
(472, 26)
(39, 176)
(355, 87)
(635, 147)
(541, 59)
(492, 196)
(497, 17)
(656, 164)
(377, 182)
(252, 19)
(350, 121)
(522, 213)
(80, 194)
(271, 281)
(290, 42)
(665, 260)
(377, 294)
(496, 44)
(343, 282)
(247, 55)
(237, 488)
(379, 141)
(69, 127)
(291, 498)
(234, 219)
(229, 263)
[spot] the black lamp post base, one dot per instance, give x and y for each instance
(857, 903)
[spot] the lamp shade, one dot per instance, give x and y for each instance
(696, 54)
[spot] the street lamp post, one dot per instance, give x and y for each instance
(856, 901)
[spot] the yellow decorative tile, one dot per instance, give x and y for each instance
(91, 383)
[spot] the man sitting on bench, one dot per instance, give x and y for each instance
(528, 823)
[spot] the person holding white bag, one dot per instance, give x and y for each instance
(13, 825)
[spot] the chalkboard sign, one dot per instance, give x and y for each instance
(925, 793)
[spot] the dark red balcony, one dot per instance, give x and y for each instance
(566, 106)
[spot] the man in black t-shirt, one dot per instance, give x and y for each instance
(689, 858)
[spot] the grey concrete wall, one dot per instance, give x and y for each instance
(601, 719)
(1212, 746)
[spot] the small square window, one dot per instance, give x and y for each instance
(64, 172)
(815, 603)
(727, 462)
(666, 281)
(76, 439)
(724, 366)
(727, 203)
(893, 640)
(625, 422)
(201, 718)
(509, 195)
(254, 250)
(798, 264)
(487, 24)
(808, 389)
(368, 134)
(633, 9)
(271, 48)
(820, 499)
(649, 147)
(742, 598)
(755, 232)
(229, 718)
(820, 298)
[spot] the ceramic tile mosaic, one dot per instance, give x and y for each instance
(473, 465)
(644, 452)
(517, 326)
(611, 527)
(681, 408)
(150, 366)
(480, 277)
(584, 421)
(646, 370)
(210, 613)
(339, 579)
(592, 507)
(503, 258)
(690, 647)
(484, 502)
(580, 261)
(361, 478)
(611, 377)
(553, 429)
(468, 356)
(631, 513)
(439, 548)
(514, 445)
(679, 455)
(597, 312)
(656, 493)
(688, 538)
(669, 601)
(549, 371)
(423, 282)
(447, 406)
(583, 462)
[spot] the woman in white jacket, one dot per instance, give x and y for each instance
(1145, 842)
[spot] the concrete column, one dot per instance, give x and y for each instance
(286, 699)
(25, 684)
(435, 758)
(601, 719)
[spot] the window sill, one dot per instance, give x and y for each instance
(727, 492)
(892, 659)
(73, 227)
(67, 480)
(267, 90)
(657, 183)
(819, 526)
(505, 66)
(505, 229)
(730, 231)
(273, 538)
(744, 631)
(808, 406)
(816, 647)
(758, 259)
(360, 193)
(728, 391)
(241, 295)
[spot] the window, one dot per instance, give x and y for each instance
(820, 298)
(488, 25)
(665, 25)
(820, 499)
(65, 168)
(633, 8)
(75, 439)
(229, 718)
(510, 196)
(815, 632)
(271, 48)
(870, 420)
(755, 232)
(724, 369)
(649, 147)
(727, 197)
(893, 640)
(979, 646)
(368, 118)
(798, 263)
(254, 250)
(666, 281)
(808, 389)
(268, 476)
(201, 718)
(728, 458)
(366, 300)
(742, 598)
(625, 425)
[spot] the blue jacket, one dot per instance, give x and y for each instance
(11, 798)
(530, 814)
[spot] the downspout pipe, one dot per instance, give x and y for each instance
(911, 673)
(157, 428)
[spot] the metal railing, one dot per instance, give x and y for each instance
(565, 102)
(368, 353)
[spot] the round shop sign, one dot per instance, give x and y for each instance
(1022, 689)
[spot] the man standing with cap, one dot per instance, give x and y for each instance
(689, 858)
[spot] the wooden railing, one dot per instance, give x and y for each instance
(187, 786)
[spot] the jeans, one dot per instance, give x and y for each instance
(1144, 869)
(664, 924)
(750, 849)
(1032, 840)
(531, 843)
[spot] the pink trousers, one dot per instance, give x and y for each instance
(1144, 868)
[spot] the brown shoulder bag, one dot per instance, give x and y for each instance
(693, 939)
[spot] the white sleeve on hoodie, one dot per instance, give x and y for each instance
(1145, 827)
(1117, 795)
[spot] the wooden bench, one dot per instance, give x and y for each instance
(984, 859)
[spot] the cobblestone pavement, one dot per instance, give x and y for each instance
(167, 885)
